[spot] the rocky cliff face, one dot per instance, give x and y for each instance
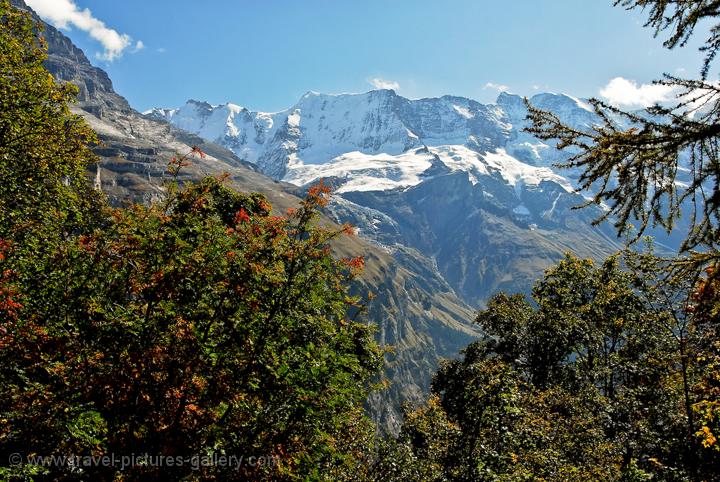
(69, 63)
(415, 310)
(479, 242)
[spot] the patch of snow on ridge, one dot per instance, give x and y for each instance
(521, 210)
(534, 148)
(365, 172)
(293, 119)
(582, 104)
(513, 171)
(463, 111)
(357, 171)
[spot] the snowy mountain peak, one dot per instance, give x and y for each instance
(562, 104)
(512, 104)
(379, 140)
(234, 107)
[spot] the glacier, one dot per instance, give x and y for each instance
(379, 140)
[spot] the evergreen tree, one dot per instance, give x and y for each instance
(632, 166)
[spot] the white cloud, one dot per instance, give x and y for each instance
(498, 87)
(65, 14)
(139, 45)
(384, 84)
(622, 92)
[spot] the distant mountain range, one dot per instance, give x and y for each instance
(370, 141)
(456, 180)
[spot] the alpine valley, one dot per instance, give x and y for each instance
(455, 180)
(451, 200)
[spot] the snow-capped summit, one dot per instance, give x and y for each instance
(379, 140)
(572, 110)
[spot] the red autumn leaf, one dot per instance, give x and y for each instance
(242, 217)
(198, 151)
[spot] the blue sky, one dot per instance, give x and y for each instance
(266, 54)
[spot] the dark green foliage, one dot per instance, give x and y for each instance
(586, 383)
(183, 334)
(631, 162)
(198, 326)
